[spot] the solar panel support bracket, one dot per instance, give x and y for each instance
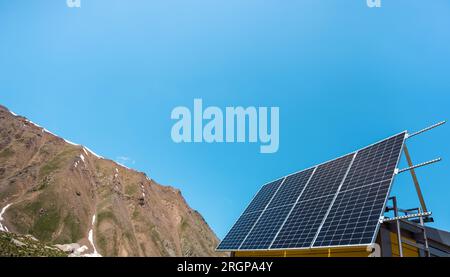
(411, 168)
(416, 215)
(426, 129)
(418, 165)
(419, 214)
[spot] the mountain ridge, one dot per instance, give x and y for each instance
(63, 193)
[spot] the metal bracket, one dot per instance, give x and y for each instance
(426, 129)
(424, 214)
(419, 165)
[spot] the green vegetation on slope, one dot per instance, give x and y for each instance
(57, 161)
(13, 245)
(6, 153)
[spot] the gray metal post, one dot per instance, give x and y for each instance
(399, 235)
(415, 180)
(425, 238)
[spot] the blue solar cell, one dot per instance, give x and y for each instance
(242, 227)
(291, 188)
(304, 221)
(237, 234)
(263, 197)
(353, 218)
(267, 227)
(327, 178)
(375, 163)
(302, 224)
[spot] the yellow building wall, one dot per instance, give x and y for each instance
(408, 250)
(326, 252)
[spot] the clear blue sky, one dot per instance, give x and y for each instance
(107, 75)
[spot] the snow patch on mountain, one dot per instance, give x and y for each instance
(85, 149)
(124, 166)
(72, 143)
(93, 153)
(2, 227)
(91, 240)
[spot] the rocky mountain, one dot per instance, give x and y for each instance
(63, 193)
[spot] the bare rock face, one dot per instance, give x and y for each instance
(62, 193)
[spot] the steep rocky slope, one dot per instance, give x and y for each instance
(63, 193)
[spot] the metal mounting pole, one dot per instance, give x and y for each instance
(419, 165)
(425, 237)
(399, 235)
(415, 180)
(426, 129)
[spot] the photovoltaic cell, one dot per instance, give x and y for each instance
(237, 234)
(375, 163)
(242, 227)
(291, 188)
(273, 217)
(263, 197)
(307, 215)
(327, 178)
(268, 225)
(353, 218)
(302, 224)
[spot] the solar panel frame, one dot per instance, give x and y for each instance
(354, 153)
(377, 228)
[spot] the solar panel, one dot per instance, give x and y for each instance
(353, 218)
(327, 178)
(267, 227)
(375, 163)
(304, 221)
(337, 203)
(291, 188)
(242, 227)
(263, 197)
(237, 234)
(268, 224)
